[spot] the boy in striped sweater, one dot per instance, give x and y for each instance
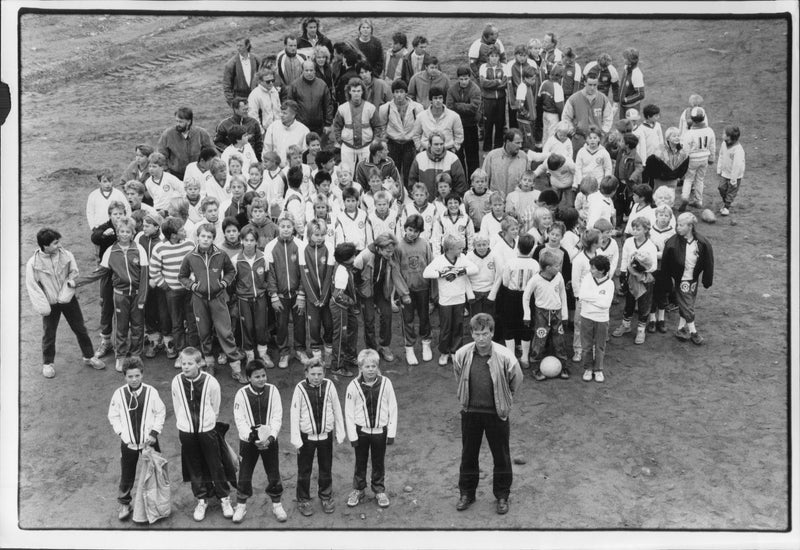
(316, 416)
(258, 413)
(165, 263)
(195, 400)
(156, 312)
(137, 415)
(370, 414)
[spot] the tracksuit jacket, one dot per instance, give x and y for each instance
(369, 411)
(251, 280)
(365, 262)
(196, 402)
(132, 428)
(213, 272)
(303, 417)
(284, 268)
(258, 409)
(316, 264)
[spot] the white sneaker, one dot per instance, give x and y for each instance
(411, 357)
(177, 363)
(250, 354)
(354, 498)
(227, 509)
(280, 513)
(724, 211)
(239, 512)
(118, 365)
(427, 353)
(302, 357)
(284, 362)
(587, 376)
(200, 510)
(443, 359)
(316, 355)
(599, 377)
(222, 359)
(48, 371)
(577, 357)
(383, 500)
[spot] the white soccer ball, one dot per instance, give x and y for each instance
(550, 366)
(708, 216)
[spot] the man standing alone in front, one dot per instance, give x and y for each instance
(488, 374)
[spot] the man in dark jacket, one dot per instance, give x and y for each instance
(464, 97)
(239, 76)
(313, 99)
(687, 255)
(181, 143)
(239, 118)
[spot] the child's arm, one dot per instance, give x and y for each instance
(240, 415)
(350, 413)
(526, 300)
(338, 418)
(432, 269)
(737, 169)
(159, 416)
(391, 427)
(294, 418)
(156, 276)
(576, 180)
(114, 412)
(470, 268)
(143, 286)
(469, 234)
(184, 275)
(275, 420)
(498, 280)
(563, 294)
(214, 395)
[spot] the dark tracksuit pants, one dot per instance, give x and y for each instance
(156, 313)
(299, 322)
(473, 426)
(548, 323)
(494, 112)
(481, 304)
(201, 454)
(74, 316)
(214, 314)
(128, 318)
(469, 152)
(375, 445)
(106, 307)
(403, 156)
(248, 458)
(418, 305)
(305, 463)
(320, 325)
(384, 306)
(128, 460)
(179, 304)
(728, 191)
(642, 304)
(451, 328)
(253, 321)
(345, 335)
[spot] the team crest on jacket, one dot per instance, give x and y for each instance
(167, 187)
(598, 161)
(685, 286)
(361, 225)
(413, 262)
(560, 329)
(541, 332)
(215, 269)
(392, 225)
(293, 257)
(260, 270)
(428, 219)
(490, 265)
(597, 111)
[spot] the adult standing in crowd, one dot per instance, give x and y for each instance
(239, 118)
(397, 118)
(607, 76)
(488, 375)
(464, 98)
(437, 117)
(513, 71)
(311, 37)
(289, 64)
(286, 131)
(264, 103)
(505, 165)
(348, 72)
(479, 50)
(431, 77)
(631, 83)
(571, 78)
(138, 168)
(322, 67)
(313, 98)
(434, 160)
(378, 158)
(181, 144)
(397, 65)
(551, 55)
(588, 108)
(355, 125)
(239, 76)
(376, 90)
(370, 46)
(416, 57)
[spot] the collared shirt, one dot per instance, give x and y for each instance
(245, 61)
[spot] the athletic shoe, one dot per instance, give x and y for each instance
(599, 376)
(696, 338)
(200, 510)
(118, 365)
(302, 356)
(177, 363)
(395, 307)
(239, 512)
(587, 376)
(682, 333)
(328, 506)
(661, 326)
(94, 362)
(622, 329)
(239, 377)
(383, 500)
(150, 348)
(283, 363)
(564, 373)
(354, 498)
(48, 370)
(538, 376)
(427, 352)
(124, 512)
(222, 359)
(651, 327)
(577, 357)
(464, 502)
(250, 355)
(443, 359)
(640, 335)
(501, 506)
(524, 364)
(411, 357)
(227, 509)
(104, 348)
(172, 351)
(386, 353)
(305, 508)
(280, 513)
(724, 211)
(341, 371)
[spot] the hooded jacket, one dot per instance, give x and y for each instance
(212, 270)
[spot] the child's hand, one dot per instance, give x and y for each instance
(300, 304)
(389, 440)
(151, 440)
(277, 305)
(406, 300)
(734, 182)
(354, 444)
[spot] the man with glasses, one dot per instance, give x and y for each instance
(264, 102)
(488, 375)
(586, 109)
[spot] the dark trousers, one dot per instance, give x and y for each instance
(182, 320)
(593, 334)
(320, 325)
(248, 458)
(418, 306)
(128, 318)
(468, 154)
(403, 156)
(200, 452)
(345, 335)
(481, 304)
(728, 191)
(473, 427)
(642, 304)
(253, 321)
(512, 116)
(214, 314)
(129, 458)
(687, 295)
(494, 112)
(299, 329)
(74, 316)
(384, 306)
(528, 135)
(374, 444)
(548, 323)
(106, 307)
(305, 463)
(156, 312)
(655, 168)
(451, 328)
(662, 286)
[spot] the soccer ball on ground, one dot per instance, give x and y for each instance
(708, 216)
(550, 366)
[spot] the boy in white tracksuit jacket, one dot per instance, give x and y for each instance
(136, 414)
(370, 414)
(315, 414)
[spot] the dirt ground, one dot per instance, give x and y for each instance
(679, 437)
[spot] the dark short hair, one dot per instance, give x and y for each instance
(463, 70)
(295, 176)
(452, 197)
(733, 132)
(324, 156)
(569, 216)
(630, 140)
(253, 366)
(349, 193)
(321, 176)
(549, 196)
(229, 221)
(185, 113)
(235, 133)
(600, 263)
(130, 363)
(363, 65)
(608, 185)
(555, 161)
(400, 38)
(208, 153)
(430, 60)
(344, 252)
(399, 84)
(436, 91)
(236, 101)
(46, 236)
(481, 321)
(171, 226)
(650, 110)
(289, 36)
(415, 222)
(526, 243)
(511, 133)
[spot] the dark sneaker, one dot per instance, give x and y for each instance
(305, 508)
(651, 327)
(502, 506)
(342, 372)
(538, 376)
(696, 339)
(661, 326)
(328, 506)
(682, 334)
(564, 373)
(464, 502)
